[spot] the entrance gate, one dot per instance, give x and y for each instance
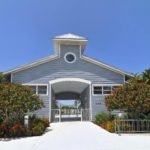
(70, 89)
(60, 115)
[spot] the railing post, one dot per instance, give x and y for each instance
(115, 125)
(81, 115)
(118, 126)
(59, 115)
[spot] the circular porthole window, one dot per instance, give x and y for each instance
(70, 57)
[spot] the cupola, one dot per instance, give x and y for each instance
(69, 39)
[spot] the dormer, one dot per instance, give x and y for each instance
(69, 41)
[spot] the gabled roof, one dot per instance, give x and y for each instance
(70, 36)
(104, 65)
(53, 57)
(33, 64)
(65, 38)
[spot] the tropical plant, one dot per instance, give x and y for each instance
(133, 97)
(102, 118)
(17, 130)
(38, 129)
(3, 130)
(109, 126)
(16, 100)
(45, 121)
(2, 78)
(138, 78)
(146, 76)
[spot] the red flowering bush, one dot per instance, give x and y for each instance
(134, 97)
(17, 130)
(109, 126)
(3, 131)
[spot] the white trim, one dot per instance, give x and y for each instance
(69, 79)
(71, 40)
(102, 85)
(37, 88)
(124, 78)
(109, 84)
(50, 102)
(53, 57)
(91, 116)
(70, 53)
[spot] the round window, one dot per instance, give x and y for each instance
(70, 57)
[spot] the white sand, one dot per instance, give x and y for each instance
(78, 136)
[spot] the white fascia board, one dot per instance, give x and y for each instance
(36, 63)
(105, 66)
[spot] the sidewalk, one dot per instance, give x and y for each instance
(78, 136)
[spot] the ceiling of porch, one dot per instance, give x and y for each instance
(69, 86)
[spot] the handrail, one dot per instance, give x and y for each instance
(132, 126)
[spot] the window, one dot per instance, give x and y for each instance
(103, 89)
(39, 89)
(97, 90)
(42, 89)
(70, 57)
(106, 89)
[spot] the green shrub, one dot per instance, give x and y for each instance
(17, 130)
(1, 120)
(9, 122)
(3, 131)
(14, 127)
(45, 122)
(38, 129)
(106, 121)
(37, 125)
(33, 121)
(102, 117)
(109, 126)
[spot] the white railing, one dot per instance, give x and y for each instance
(132, 126)
(59, 115)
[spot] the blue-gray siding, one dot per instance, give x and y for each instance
(58, 68)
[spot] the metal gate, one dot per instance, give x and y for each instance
(60, 115)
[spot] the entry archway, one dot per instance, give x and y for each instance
(71, 88)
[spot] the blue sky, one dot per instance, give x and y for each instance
(118, 30)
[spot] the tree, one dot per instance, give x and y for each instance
(138, 78)
(16, 100)
(142, 77)
(134, 97)
(146, 76)
(2, 78)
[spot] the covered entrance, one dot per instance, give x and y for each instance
(70, 89)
